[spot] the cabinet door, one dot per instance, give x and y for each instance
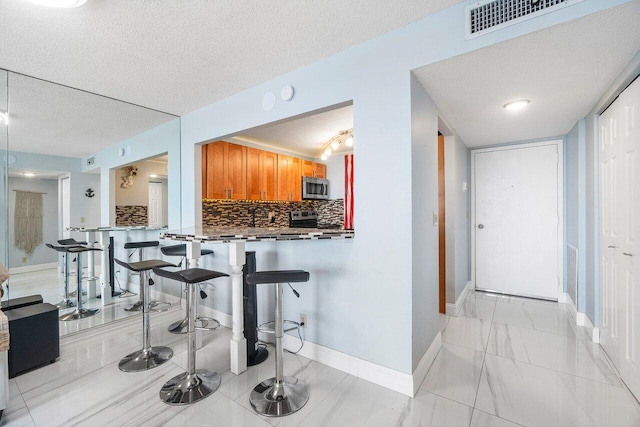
(236, 172)
(269, 172)
(321, 171)
(284, 164)
(204, 171)
(216, 182)
(254, 174)
(308, 168)
(295, 179)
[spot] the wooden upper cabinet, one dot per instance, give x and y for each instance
(226, 170)
(262, 174)
(313, 169)
(289, 178)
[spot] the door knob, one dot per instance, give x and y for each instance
(480, 226)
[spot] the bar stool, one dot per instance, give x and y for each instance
(140, 246)
(80, 312)
(66, 301)
(280, 395)
(202, 323)
(72, 242)
(195, 384)
(149, 357)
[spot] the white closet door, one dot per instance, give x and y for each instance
(155, 204)
(620, 234)
(517, 204)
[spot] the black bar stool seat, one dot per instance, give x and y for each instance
(141, 245)
(194, 384)
(280, 395)
(181, 250)
(79, 312)
(149, 357)
(144, 265)
(71, 242)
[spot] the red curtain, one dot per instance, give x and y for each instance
(348, 191)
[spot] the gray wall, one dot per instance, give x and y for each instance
(457, 217)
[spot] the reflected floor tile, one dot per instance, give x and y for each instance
(467, 332)
(539, 317)
(562, 353)
(477, 308)
(356, 402)
(455, 374)
(530, 395)
(16, 414)
(482, 419)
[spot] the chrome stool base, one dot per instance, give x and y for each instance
(79, 314)
(138, 306)
(142, 360)
(277, 400)
(201, 324)
(67, 303)
(184, 389)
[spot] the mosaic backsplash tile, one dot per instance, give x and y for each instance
(237, 213)
(131, 215)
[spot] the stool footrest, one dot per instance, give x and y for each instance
(266, 327)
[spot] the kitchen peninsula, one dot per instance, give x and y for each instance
(236, 237)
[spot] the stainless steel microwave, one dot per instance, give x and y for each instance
(315, 188)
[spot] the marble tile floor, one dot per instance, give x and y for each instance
(541, 372)
(50, 284)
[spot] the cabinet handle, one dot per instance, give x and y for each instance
(612, 247)
(626, 254)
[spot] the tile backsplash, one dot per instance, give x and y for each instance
(131, 215)
(237, 213)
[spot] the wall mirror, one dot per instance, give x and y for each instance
(61, 149)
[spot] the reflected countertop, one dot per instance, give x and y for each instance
(237, 234)
(116, 228)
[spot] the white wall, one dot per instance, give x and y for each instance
(42, 254)
(374, 277)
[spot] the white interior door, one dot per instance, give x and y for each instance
(155, 204)
(517, 205)
(620, 234)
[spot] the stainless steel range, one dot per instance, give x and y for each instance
(303, 219)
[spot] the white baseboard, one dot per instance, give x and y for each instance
(389, 378)
(453, 309)
(582, 320)
(35, 267)
(425, 364)
(381, 375)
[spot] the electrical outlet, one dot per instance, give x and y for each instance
(303, 320)
(82, 220)
(24, 259)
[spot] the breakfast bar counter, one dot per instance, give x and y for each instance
(237, 237)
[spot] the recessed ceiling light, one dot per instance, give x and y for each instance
(516, 105)
(153, 175)
(59, 3)
(28, 174)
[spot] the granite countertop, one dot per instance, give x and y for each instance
(117, 228)
(257, 234)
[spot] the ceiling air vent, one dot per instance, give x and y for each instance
(491, 15)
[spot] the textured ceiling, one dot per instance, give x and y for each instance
(563, 70)
(178, 56)
(51, 119)
(306, 135)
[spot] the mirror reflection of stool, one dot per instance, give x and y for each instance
(141, 246)
(280, 395)
(71, 242)
(149, 357)
(80, 312)
(195, 384)
(66, 300)
(202, 323)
